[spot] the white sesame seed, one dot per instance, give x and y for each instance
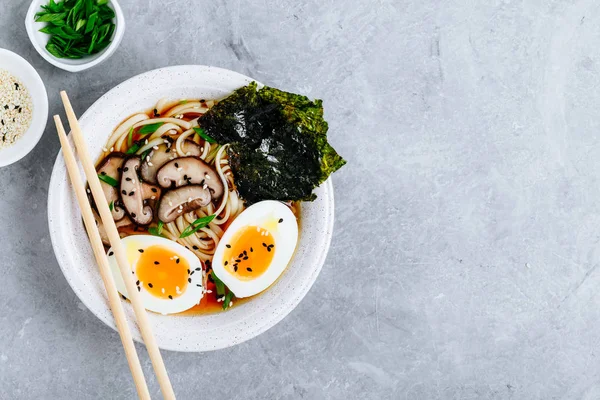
(155, 147)
(189, 199)
(148, 158)
(150, 164)
(207, 176)
(209, 291)
(152, 197)
(166, 141)
(104, 149)
(88, 190)
(180, 211)
(230, 303)
(258, 229)
(205, 186)
(179, 169)
(171, 203)
(163, 290)
(112, 149)
(146, 141)
(171, 158)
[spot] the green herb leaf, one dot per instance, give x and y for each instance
(204, 136)
(110, 180)
(196, 226)
(220, 286)
(102, 2)
(150, 128)
(228, 298)
(54, 50)
(111, 205)
(145, 154)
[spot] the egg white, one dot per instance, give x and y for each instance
(264, 214)
(194, 291)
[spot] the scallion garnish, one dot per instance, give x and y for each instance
(111, 205)
(110, 180)
(156, 230)
(150, 128)
(130, 137)
(77, 28)
(196, 226)
(219, 285)
(228, 298)
(204, 136)
(133, 149)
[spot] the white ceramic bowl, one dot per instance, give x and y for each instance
(20, 68)
(72, 248)
(39, 39)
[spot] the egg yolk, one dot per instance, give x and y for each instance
(162, 272)
(250, 253)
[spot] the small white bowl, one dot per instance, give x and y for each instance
(19, 67)
(39, 39)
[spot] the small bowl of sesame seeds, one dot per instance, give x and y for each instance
(23, 107)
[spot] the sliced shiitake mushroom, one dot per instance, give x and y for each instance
(132, 194)
(182, 200)
(111, 167)
(190, 171)
(164, 153)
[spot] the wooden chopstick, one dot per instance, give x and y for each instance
(119, 250)
(113, 295)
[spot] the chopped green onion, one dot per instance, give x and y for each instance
(145, 154)
(220, 286)
(133, 149)
(111, 206)
(111, 181)
(130, 137)
(157, 231)
(227, 300)
(150, 128)
(204, 136)
(196, 226)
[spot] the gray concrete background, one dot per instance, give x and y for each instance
(464, 261)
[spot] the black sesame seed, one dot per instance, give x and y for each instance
(150, 285)
(2, 122)
(195, 247)
(192, 273)
(188, 271)
(199, 285)
(137, 283)
(228, 246)
(241, 255)
(131, 193)
(176, 165)
(171, 297)
(156, 263)
(190, 280)
(202, 100)
(245, 258)
(235, 268)
(264, 245)
(110, 253)
(139, 289)
(6, 107)
(198, 269)
(249, 269)
(124, 191)
(16, 86)
(102, 173)
(154, 190)
(125, 169)
(280, 220)
(225, 263)
(185, 177)
(20, 109)
(268, 249)
(251, 250)
(238, 260)
(133, 215)
(245, 253)
(128, 179)
(168, 150)
(156, 114)
(141, 250)
(177, 261)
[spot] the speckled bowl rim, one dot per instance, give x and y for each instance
(181, 333)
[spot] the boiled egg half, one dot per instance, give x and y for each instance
(167, 275)
(256, 248)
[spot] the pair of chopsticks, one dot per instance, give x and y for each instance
(119, 251)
